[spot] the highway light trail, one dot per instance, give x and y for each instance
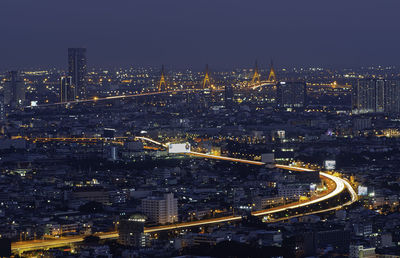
(338, 186)
(151, 140)
(95, 99)
(203, 155)
(338, 189)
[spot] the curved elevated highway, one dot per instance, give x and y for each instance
(336, 186)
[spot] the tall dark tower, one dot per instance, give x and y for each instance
(291, 95)
(66, 93)
(77, 71)
(228, 95)
(14, 90)
(2, 109)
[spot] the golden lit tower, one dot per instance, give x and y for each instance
(206, 79)
(162, 80)
(256, 76)
(272, 75)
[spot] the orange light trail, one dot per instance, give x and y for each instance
(95, 99)
(336, 185)
(336, 188)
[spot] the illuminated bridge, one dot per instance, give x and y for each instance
(164, 89)
(96, 99)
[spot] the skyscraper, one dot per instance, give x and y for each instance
(291, 94)
(376, 96)
(2, 109)
(228, 95)
(77, 71)
(66, 92)
(392, 96)
(364, 96)
(14, 90)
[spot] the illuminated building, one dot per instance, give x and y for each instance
(357, 251)
(376, 96)
(89, 194)
(368, 96)
(261, 203)
(228, 95)
(131, 231)
(293, 191)
(2, 108)
(57, 229)
(161, 210)
(109, 133)
(14, 91)
(77, 71)
(66, 93)
(392, 96)
(291, 94)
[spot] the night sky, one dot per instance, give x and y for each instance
(180, 33)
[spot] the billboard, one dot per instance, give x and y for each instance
(179, 147)
(330, 164)
(362, 190)
(268, 157)
(281, 134)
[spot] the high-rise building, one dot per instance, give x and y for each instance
(2, 108)
(392, 96)
(14, 90)
(77, 71)
(228, 95)
(66, 92)
(291, 94)
(368, 96)
(131, 231)
(376, 96)
(161, 210)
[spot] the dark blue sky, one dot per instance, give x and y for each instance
(179, 33)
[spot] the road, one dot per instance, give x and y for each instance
(209, 156)
(95, 99)
(338, 186)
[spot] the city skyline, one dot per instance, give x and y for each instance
(199, 128)
(190, 34)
